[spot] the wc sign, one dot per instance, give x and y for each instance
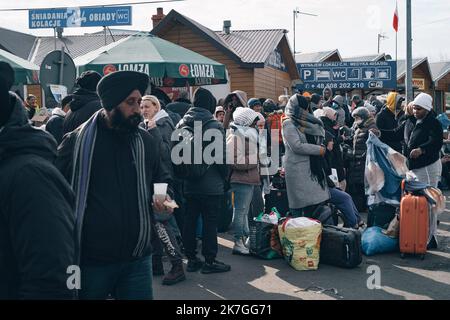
(348, 75)
(79, 17)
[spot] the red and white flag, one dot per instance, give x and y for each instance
(395, 22)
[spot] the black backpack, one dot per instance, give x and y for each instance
(189, 171)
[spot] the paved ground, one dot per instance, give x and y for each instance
(254, 279)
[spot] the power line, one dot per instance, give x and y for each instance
(433, 22)
(93, 6)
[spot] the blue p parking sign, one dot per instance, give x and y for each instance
(348, 75)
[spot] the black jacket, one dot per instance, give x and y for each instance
(213, 182)
(111, 222)
(426, 135)
(55, 125)
(36, 215)
(386, 120)
(84, 104)
(180, 106)
(334, 158)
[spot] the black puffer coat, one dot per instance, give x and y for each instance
(36, 214)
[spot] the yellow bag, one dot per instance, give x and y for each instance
(300, 239)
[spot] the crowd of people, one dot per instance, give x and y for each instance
(81, 193)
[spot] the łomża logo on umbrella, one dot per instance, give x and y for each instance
(110, 68)
(184, 70)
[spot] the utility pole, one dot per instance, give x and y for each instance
(408, 80)
(296, 13)
(381, 37)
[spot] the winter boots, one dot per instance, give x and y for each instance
(175, 275)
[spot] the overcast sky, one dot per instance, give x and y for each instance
(351, 26)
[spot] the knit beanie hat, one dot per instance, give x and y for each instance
(329, 113)
(339, 100)
(253, 102)
(117, 86)
(244, 116)
(361, 112)
(425, 101)
(370, 107)
(88, 80)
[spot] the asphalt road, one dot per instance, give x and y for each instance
(254, 279)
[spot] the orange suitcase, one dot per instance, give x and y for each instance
(414, 225)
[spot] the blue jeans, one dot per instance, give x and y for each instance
(124, 281)
(243, 194)
(344, 202)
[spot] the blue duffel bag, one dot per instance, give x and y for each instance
(374, 241)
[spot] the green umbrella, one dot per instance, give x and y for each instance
(25, 71)
(167, 64)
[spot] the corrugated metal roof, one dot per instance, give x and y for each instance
(246, 46)
(253, 46)
(439, 70)
(75, 46)
(314, 56)
(373, 57)
(18, 43)
(207, 31)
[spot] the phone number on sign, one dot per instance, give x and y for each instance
(344, 85)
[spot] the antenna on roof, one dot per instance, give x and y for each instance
(296, 13)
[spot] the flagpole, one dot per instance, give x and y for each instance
(396, 42)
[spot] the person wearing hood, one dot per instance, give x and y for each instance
(356, 102)
(235, 99)
(338, 105)
(181, 105)
(85, 101)
(204, 195)
(36, 207)
(388, 119)
(219, 114)
(158, 123)
(315, 102)
(376, 103)
(56, 122)
(303, 135)
(327, 95)
(242, 147)
(364, 123)
(112, 165)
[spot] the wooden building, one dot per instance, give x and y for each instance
(422, 77)
(441, 78)
(259, 62)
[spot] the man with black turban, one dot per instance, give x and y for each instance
(112, 165)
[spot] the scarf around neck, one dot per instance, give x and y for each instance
(81, 172)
